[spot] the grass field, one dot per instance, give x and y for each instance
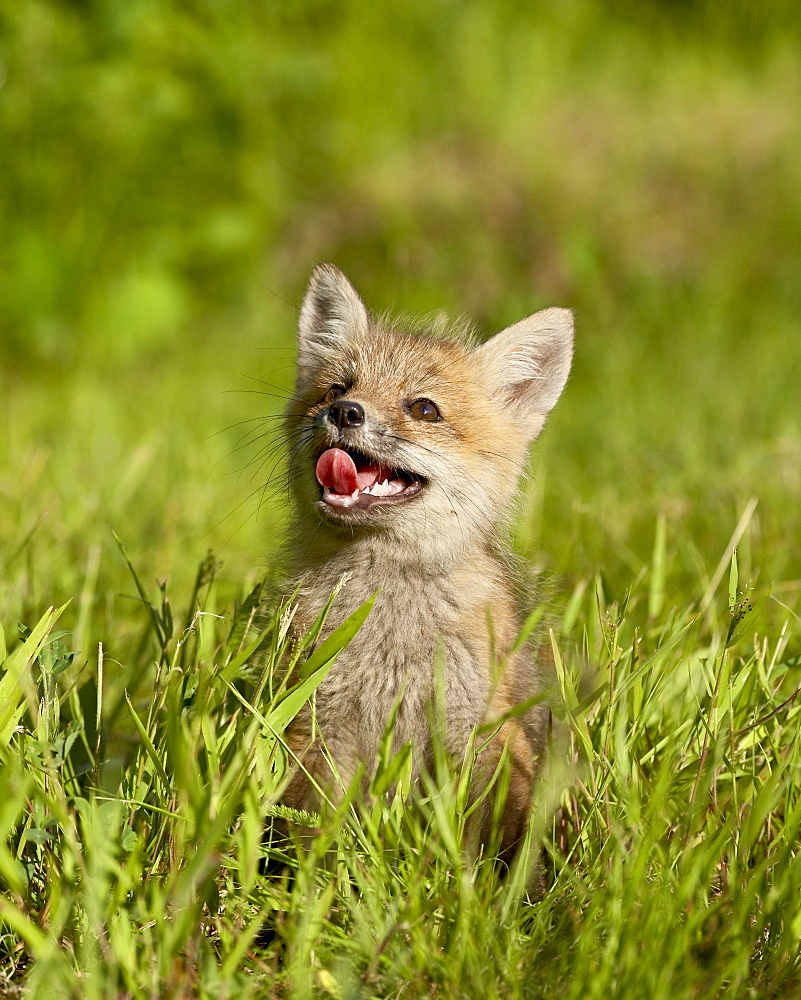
(171, 173)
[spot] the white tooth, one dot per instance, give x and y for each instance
(355, 494)
(368, 489)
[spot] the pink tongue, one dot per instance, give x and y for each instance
(336, 470)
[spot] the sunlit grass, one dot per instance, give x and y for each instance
(672, 851)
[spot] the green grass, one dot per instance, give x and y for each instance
(171, 173)
(673, 867)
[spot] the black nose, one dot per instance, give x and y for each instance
(345, 413)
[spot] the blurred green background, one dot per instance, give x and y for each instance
(172, 170)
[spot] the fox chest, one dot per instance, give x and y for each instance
(394, 660)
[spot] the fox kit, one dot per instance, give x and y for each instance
(406, 452)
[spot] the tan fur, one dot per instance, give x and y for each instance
(444, 577)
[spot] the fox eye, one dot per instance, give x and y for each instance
(335, 392)
(424, 409)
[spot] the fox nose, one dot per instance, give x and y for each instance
(345, 413)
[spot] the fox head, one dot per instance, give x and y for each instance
(414, 436)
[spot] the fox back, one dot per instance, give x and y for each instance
(406, 453)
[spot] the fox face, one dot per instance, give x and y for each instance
(419, 437)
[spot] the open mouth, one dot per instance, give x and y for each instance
(353, 481)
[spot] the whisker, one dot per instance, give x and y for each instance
(281, 391)
(292, 453)
(239, 423)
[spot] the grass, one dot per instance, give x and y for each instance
(672, 853)
(170, 176)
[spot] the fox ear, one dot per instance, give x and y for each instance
(331, 314)
(528, 363)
